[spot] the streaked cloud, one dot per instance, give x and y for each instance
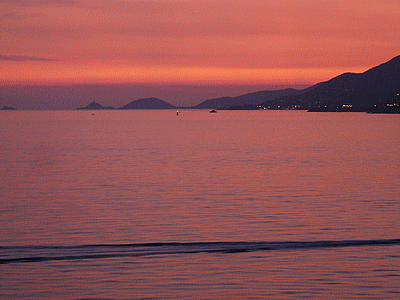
(38, 2)
(25, 58)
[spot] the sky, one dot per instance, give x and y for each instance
(185, 51)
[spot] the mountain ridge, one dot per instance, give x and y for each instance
(346, 92)
(246, 99)
(359, 91)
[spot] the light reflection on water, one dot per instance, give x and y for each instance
(84, 177)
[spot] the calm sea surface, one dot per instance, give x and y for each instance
(232, 205)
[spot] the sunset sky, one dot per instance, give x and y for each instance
(226, 47)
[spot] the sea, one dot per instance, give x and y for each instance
(151, 204)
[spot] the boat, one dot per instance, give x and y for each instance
(213, 111)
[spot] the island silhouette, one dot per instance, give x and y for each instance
(8, 108)
(376, 90)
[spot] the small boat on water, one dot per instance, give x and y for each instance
(213, 111)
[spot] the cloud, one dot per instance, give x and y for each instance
(25, 58)
(99, 35)
(37, 2)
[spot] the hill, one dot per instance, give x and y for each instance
(245, 100)
(95, 105)
(148, 103)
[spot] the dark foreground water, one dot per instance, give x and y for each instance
(233, 205)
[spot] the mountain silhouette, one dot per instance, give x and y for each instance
(378, 87)
(95, 105)
(245, 100)
(359, 91)
(148, 103)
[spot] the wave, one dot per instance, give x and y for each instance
(27, 254)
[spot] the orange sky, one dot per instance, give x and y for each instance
(194, 42)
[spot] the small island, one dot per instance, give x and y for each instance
(148, 103)
(95, 105)
(8, 108)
